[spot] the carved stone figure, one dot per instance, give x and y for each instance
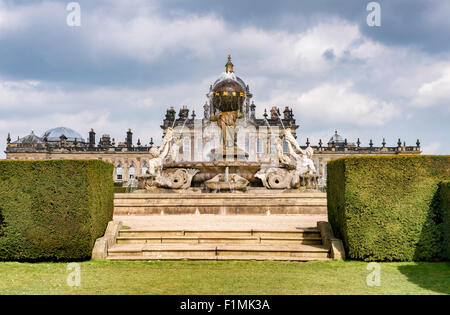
(303, 162)
(282, 178)
(227, 123)
(173, 178)
(174, 150)
(290, 139)
(283, 158)
(274, 178)
(159, 154)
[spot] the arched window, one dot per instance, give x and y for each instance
(144, 169)
(119, 171)
(131, 171)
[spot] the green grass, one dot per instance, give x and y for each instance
(330, 277)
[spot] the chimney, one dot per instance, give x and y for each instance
(91, 139)
(129, 139)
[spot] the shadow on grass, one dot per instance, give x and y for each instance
(431, 276)
(433, 246)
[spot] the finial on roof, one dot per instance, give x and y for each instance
(8, 140)
(229, 67)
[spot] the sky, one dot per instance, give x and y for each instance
(130, 60)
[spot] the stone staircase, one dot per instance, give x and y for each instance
(284, 245)
(253, 202)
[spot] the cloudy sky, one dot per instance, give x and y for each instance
(131, 59)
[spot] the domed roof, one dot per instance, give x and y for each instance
(228, 85)
(336, 138)
(56, 133)
(30, 139)
(228, 81)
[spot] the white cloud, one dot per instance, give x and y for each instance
(432, 148)
(436, 92)
(339, 104)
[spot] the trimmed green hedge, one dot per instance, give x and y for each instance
(389, 208)
(120, 190)
(445, 206)
(53, 209)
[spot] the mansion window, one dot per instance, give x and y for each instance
(132, 172)
(272, 145)
(259, 145)
(187, 146)
(144, 169)
(119, 172)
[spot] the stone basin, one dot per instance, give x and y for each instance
(235, 182)
(209, 170)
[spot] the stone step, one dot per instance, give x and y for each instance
(145, 233)
(244, 196)
(220, 258)
(220, 204)
(220, 210)
(219, 240)
(217, 252)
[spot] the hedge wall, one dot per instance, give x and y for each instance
(445, 206)
(53, 209)
(389, 208)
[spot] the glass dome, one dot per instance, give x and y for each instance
(56, 133)
(336, 138)
(30, 139)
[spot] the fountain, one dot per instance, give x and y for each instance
(228, 167)
(227, 182)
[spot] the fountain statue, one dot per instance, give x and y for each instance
(156, 176)
(295, 170)
(222, 165)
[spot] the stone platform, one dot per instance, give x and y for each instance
(249, 203)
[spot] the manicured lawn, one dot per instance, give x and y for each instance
(331, 277)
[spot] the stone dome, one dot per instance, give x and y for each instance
(56, 133)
